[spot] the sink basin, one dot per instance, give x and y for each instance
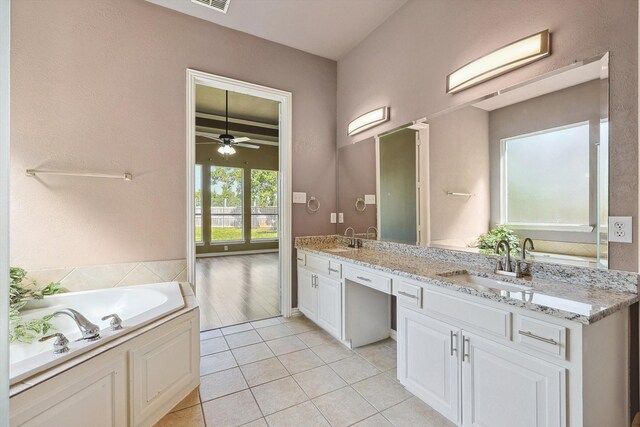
(339, 250)
(488, 282)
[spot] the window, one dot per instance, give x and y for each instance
(545, 178)
(264, 204)
(198, 203)
(226, 204)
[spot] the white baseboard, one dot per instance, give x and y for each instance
(252, 252)
(393, 335)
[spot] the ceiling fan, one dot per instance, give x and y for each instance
(227, 140)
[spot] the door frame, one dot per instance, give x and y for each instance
(194, 78)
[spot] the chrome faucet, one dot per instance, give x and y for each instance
(90, 331)
(375, 232)
(352, 242)
(506, 270)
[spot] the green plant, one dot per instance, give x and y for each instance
(487, 242)
(19, 294)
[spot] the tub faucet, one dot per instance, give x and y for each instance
(352, 242)
(90, 331)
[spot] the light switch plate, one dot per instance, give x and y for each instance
(621, 229)
(299, 197)
(369, 199)
(333, 217)
(340, 217)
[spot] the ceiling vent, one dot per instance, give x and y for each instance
(219, 5)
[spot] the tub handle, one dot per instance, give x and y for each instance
(60, 345)
(116, 321)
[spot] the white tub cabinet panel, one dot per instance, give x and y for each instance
(96, 394)
(500, 385)
(329, 305)
(428, 361)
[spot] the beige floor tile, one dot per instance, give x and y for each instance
(381, 356)
(213, 345)
(300, 324)
(273, 332)
(189, 417)
(243, 339)
(319, 381)
(266, 322)
(414, 412)
(221, 383)
(231, 411)
(332, 352)
(376, 421)
(252, 353)
(192, 399)
(393, 374)
(213, 333)
(344, 407)
(242, 327)
(354, 369)
(278, 395)
(304, 414)
(257, 423)
(299, 361)
(314, 338)
(286, 345)
(263, 371)
(217, 362)
(382, 391)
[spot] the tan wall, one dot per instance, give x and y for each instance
(100, 86)
(266, 157)
(404, 63)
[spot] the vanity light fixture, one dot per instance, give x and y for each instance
(368, 120)
(505, 59)
(226, 149)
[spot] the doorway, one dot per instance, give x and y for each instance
(238, 186)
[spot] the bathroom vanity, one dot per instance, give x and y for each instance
(552, 350)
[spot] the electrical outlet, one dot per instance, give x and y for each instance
(369, 199)
(620, 229)
(340, 217)
(333, 217)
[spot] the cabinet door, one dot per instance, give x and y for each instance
(502, 387)
(307, 296)
(330, 305)
(428, 361)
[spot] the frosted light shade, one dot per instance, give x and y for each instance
(368, 120)
(226, 149)
(507, 58)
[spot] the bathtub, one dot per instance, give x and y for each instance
(136, 305)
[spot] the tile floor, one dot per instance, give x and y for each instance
(287, 372)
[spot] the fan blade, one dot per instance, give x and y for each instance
(242, 139)
(209, 142)
(208, 135)
(255, 147)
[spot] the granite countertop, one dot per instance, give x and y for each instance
(584, 303)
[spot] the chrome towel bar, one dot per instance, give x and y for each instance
(33, 172)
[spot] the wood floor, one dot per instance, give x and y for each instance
(237, 288)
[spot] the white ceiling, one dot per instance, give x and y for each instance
(328, 28)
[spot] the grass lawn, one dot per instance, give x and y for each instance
(229, 234)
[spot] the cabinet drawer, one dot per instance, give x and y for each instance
(366, 278)
(302, 259)
(335, 269)
(317, 263)
(479, 316)
(408, 294)
(541, 336)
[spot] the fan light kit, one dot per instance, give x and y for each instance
(226, 149)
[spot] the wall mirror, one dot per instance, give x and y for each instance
(528, 161)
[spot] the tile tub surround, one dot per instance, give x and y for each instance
(87, 278)
(579, 294)
(303, 387)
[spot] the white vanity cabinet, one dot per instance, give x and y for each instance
(320, 298)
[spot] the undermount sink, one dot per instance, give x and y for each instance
(491, 283)
(339, 250)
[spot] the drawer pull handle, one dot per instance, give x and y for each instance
(537, 337)
(334, 270)
(364, 279)
(408, 295)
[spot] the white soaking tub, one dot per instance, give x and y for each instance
(136, 306)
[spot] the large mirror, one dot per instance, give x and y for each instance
(528, 161)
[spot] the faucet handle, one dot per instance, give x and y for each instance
(60, 345)
(116, 321)
(519, 268)
(499, 264)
